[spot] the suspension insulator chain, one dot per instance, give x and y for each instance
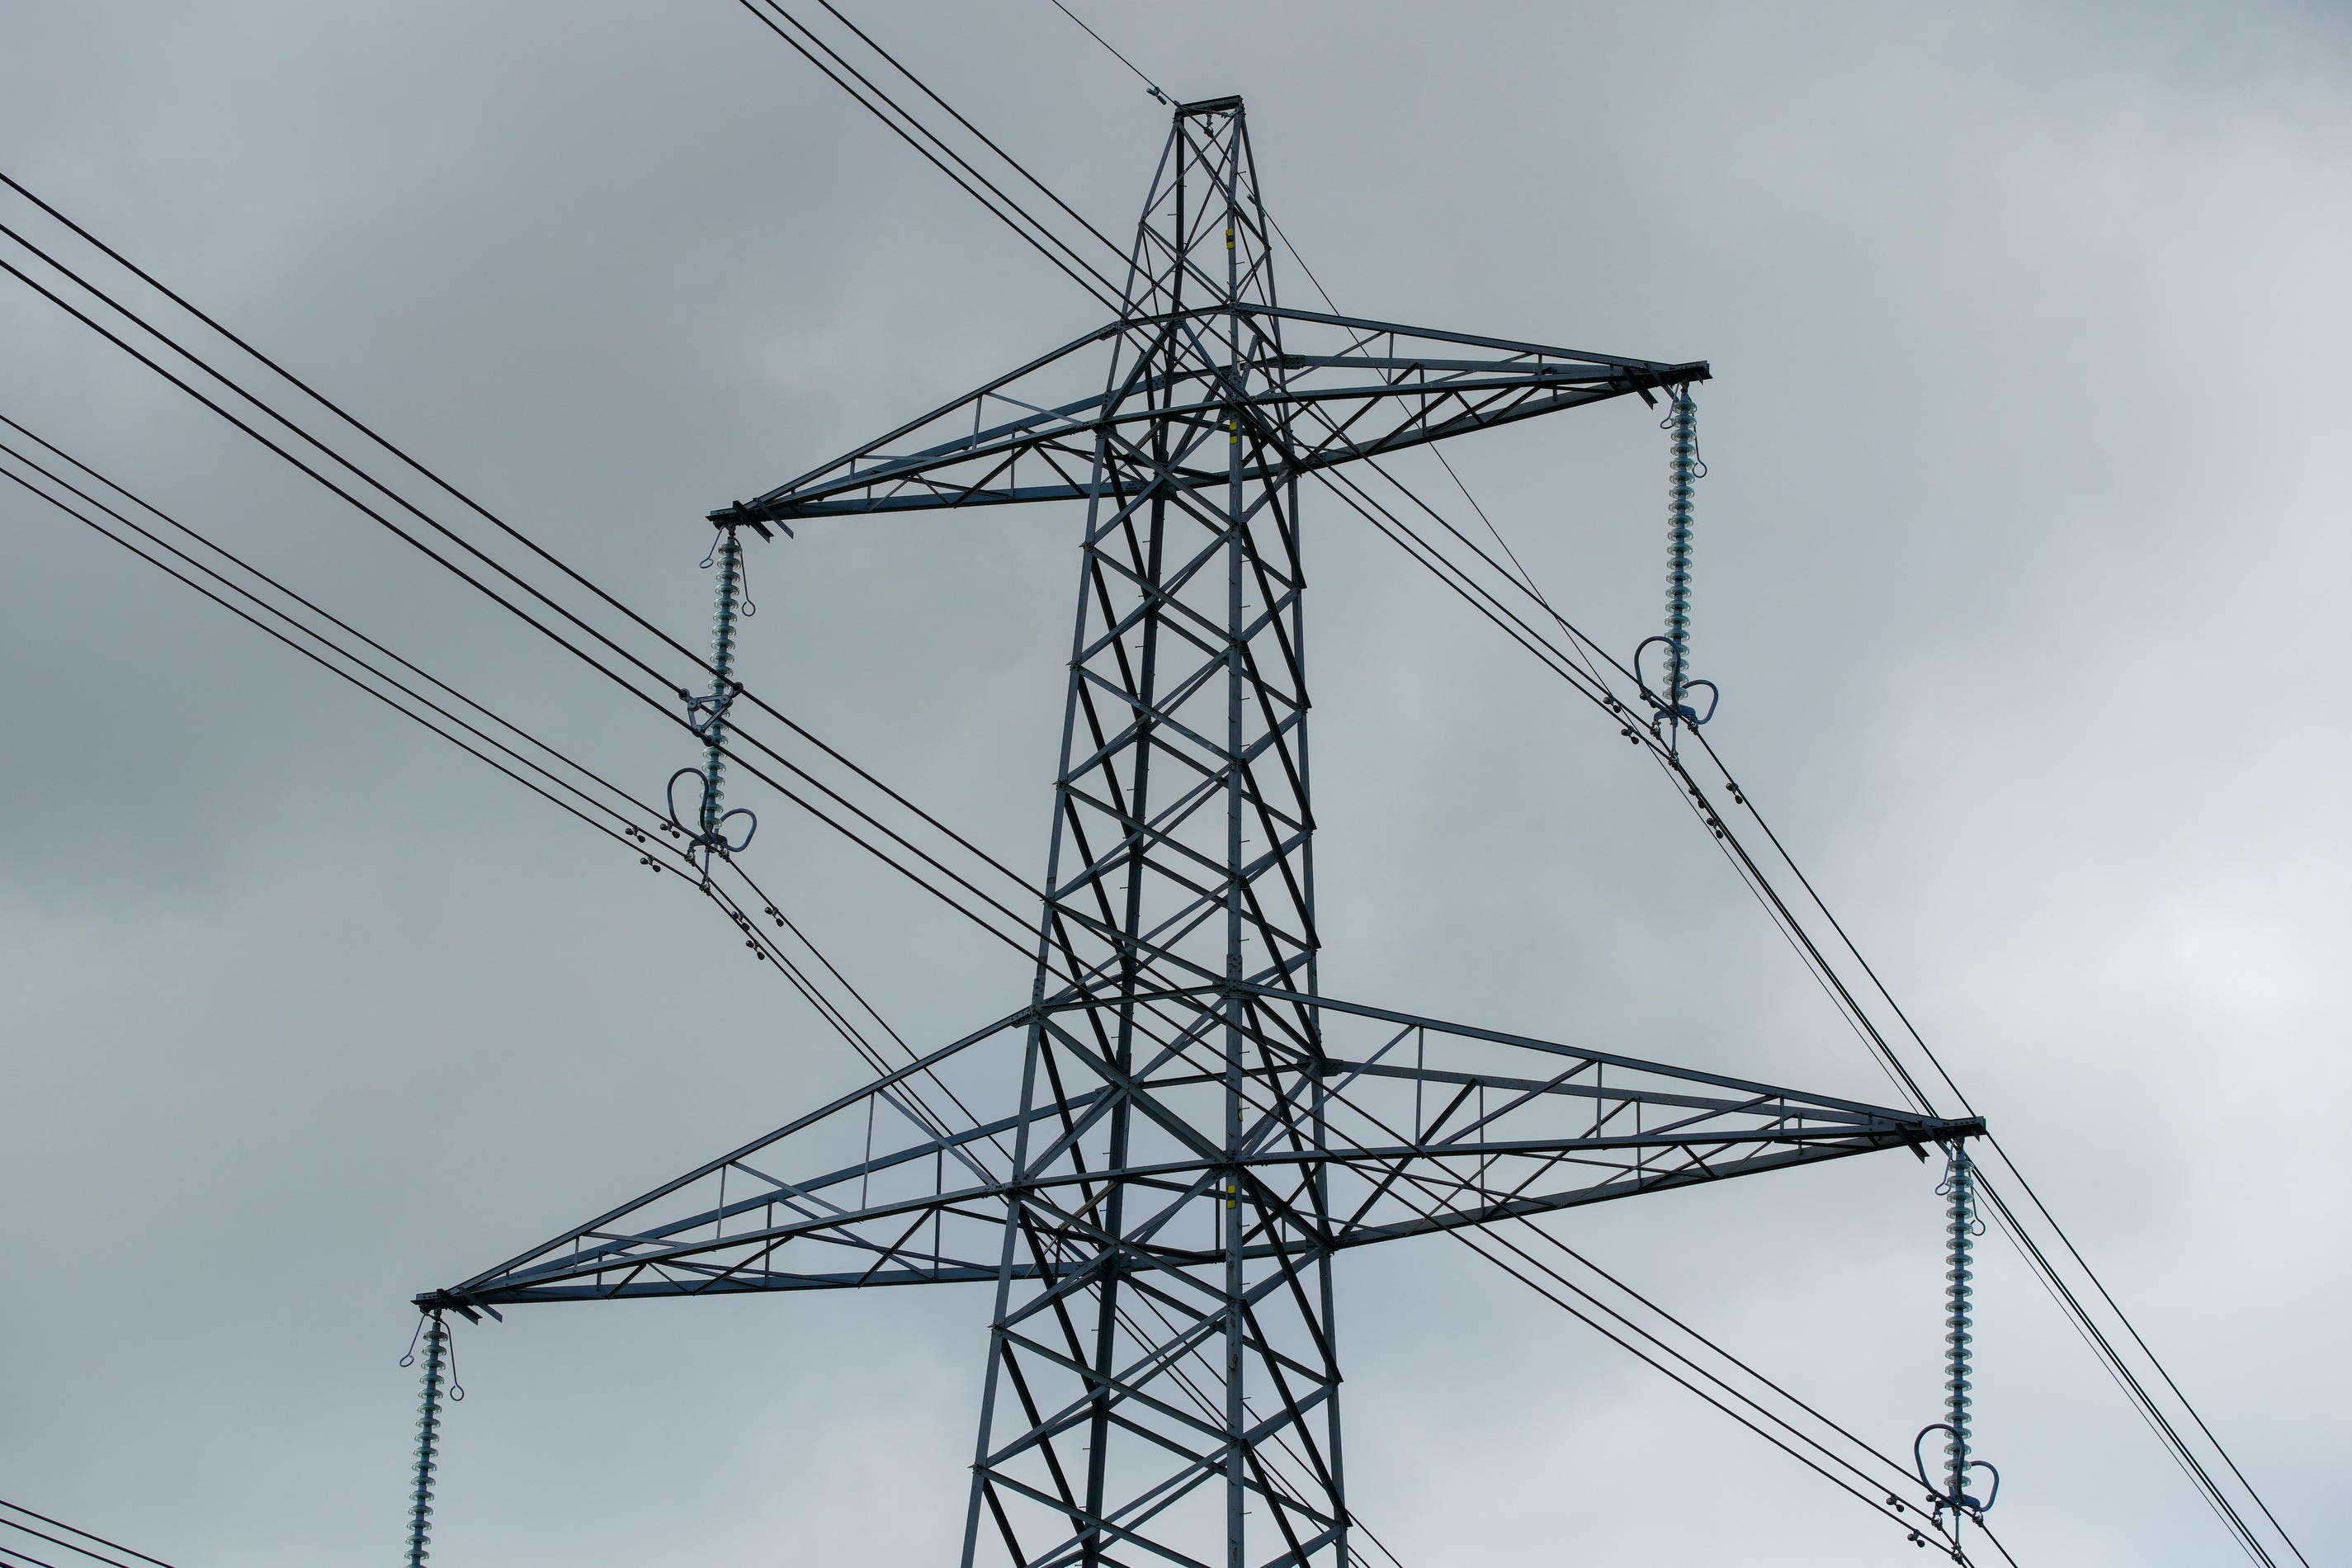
(1683, 469)
(1961, 1229)
(709, 836)
(435, 1345)
(1961, 1219)
(1671, 697)
(722, 676)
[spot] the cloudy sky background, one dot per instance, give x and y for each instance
(2021, 564)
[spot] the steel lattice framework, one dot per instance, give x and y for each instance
(1156, 1161)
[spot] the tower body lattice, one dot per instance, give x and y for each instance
(1123, 1369)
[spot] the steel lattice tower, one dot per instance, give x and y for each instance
(1154, 1161)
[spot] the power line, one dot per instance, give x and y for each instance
(471, 504)
(180, 350)
(1685, 1328)
(71, 1530)
(2058, 1230)
(985, 140)
(1151, 85)
(2069, 1302)
(338, 459)
(639, 838)
(1012, 214)
(635, 839)
(668, 714)
(338, 412)
(339, 625)
(1018, 942)
(316, 658)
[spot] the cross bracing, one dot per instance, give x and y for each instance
(1169, 1145)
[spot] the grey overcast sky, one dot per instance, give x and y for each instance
(2021, 566)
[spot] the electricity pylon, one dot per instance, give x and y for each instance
(1153, 1162)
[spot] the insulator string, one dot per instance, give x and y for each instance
(1672, 697)
(706, 838)
(436, 1337)
(722, 675)
(1961, 1229)
(1682, 470)
(1962, 1217)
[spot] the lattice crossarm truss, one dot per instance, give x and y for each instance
(1437, 1125)
(1408, 1139)
(909, 1146)
(1345, 387)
